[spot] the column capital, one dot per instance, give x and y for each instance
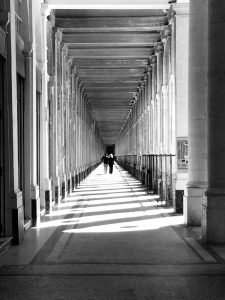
(149, 70)
(82, 89)
(51, 18)
(181, 8)
(165, 33)
(45, 10)
(65, 49)
(153, 61)
(58, 34)
(69, 60)
(28, 49)
(74, 72)
(159, 47)
(171, 14)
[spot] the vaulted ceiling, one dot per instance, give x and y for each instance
(111, 50)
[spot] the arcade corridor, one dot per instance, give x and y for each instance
(144, 84)
(112, 240)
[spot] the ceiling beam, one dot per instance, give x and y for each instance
(114, 37)
(110, 72)
(110, 63)
(106, 4)
(109, 24)
(111, 53)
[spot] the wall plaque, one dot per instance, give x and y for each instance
(182, 153)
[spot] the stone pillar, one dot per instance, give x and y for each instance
(149, 109)
(31, 190)
(153, 101)
(159, 55)
(63, 120)
(213, 220)
(45, 182)
(166, 38)
(197, 111)
(72, 128)
(180, 73)
(14, 210)
(57, 37)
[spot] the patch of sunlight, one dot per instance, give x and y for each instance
(108, 207)
(103, 191)
(108, 190)
(103, 217)
(108, 201)
(112, 194)
(132, 198)
(104, 184)
(151, 224)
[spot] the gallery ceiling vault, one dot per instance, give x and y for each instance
(111, 51)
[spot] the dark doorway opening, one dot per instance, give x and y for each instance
(20, 120)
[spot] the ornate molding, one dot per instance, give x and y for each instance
(45, 10)
(28, 49)
(171, 14)
(149, 69)
(153, 61)
(165, 33)
(64, 49)
(58, 34)
(159, 47)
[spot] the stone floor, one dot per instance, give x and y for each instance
(111, 240)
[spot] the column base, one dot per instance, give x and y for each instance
(73, 183)
(213, 220)
(56, 190)
(64, 187)
(193, 205)
(35, 206)
(48, 201)
(180, 188)
(18, 225)
(36, 211)
(69, 183)
(14, 225)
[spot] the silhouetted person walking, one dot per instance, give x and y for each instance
(105, 160)
(111, 163)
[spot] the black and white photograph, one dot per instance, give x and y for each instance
(112, 144)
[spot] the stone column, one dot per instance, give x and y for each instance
(197, 111)
(153, 101)
(14, 210)
(180, 72)
(68, 111)
(45, 182)
(63, 121)
(31, 190)
(149, 94)
(72, 127)
(166, 38)
(159, 55)
(146, 135)
(213, 220)
(55, 93)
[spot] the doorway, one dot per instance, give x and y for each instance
(20, 118)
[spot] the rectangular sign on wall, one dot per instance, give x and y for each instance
(182, 153)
